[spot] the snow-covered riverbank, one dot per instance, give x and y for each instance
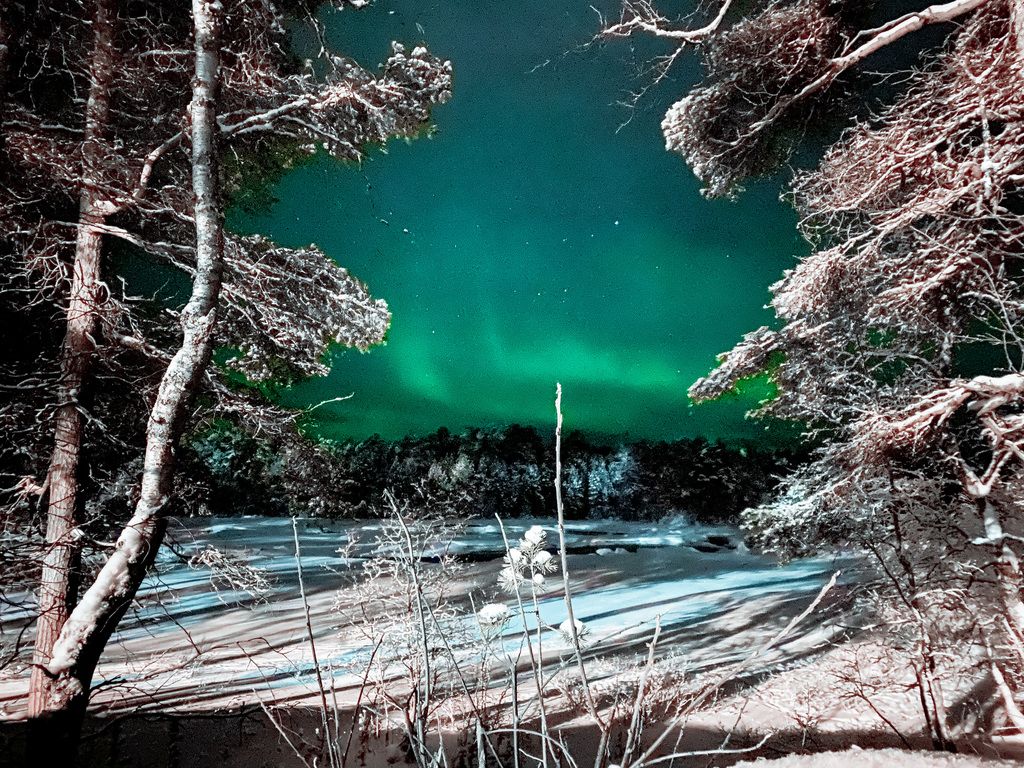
(188, 646)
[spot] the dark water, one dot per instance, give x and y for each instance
(534, 238)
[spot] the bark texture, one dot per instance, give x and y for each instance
(70, 666)
(58, 584)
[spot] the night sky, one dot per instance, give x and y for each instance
(533, 238)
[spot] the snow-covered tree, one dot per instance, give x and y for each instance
(899, 339)
(116, 116)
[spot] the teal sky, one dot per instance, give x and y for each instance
(531, 240)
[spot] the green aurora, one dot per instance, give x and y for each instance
(533, 238)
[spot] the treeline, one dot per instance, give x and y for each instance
(508, 471)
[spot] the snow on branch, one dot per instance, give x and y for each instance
(753, 66)
(952, 141)
(288, 305)
(762, 73)
(641, 16)
(810, 284)
(918, 209)
(913, 429)
(748, 358)
(349, 109)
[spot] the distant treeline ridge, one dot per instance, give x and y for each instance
(507, 471)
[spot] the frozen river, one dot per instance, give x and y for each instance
(190, 645)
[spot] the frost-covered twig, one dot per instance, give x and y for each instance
(573, 629)
(325, 735)
(730, 674)
(633, 734)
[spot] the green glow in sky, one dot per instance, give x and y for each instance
(533, 238)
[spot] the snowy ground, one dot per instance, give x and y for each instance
(879, 758)
(190, 647)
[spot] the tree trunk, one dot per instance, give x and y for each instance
(57, 586)
(1007, 566)
(88, 628)
(1017, 29)
(5, 46)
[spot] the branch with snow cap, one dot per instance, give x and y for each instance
(748, 358)
(914, 427)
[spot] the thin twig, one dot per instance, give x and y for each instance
(588, 696)
(312, 644)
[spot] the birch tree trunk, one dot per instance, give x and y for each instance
(1007, 566)
(58, 587)
(88, 628)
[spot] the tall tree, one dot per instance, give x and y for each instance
(899, 344)
(57, 584)
(69, 668)
(144, 173)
